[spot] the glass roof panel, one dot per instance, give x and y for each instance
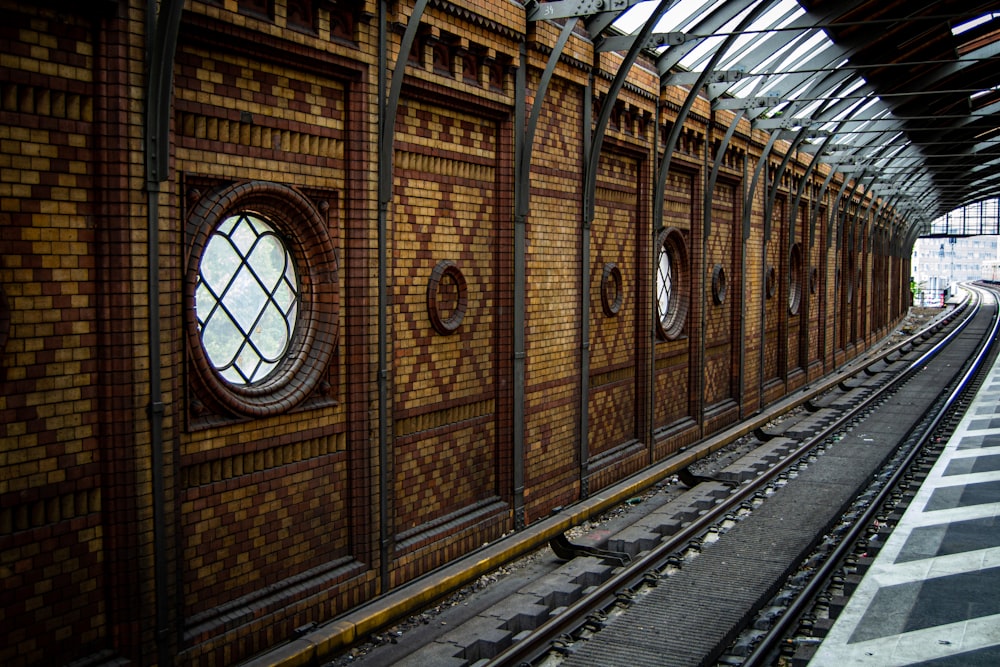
(939, 142)
(974, 23)
(691, 17)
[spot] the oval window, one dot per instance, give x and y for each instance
(671, 280)
(261, 296)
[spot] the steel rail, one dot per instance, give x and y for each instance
(605, 594)
(768, 643)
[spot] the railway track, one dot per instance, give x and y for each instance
(707, 549)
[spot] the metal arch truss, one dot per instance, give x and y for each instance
(860, 103)
(910, 148)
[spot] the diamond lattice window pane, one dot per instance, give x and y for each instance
(663, 284)
(271, 334)
(222, 339)
(218, 263)
(246, 299)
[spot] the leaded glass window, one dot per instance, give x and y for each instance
(246, 300)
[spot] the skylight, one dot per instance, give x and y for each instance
(974, 23)
(708, 23)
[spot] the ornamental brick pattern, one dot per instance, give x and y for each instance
(552, 308)
(449, 182)
(52, 533)
(673, 388)
(243, 526)
(721, 332)
(614, 357)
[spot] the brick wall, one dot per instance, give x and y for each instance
(552, 308)
(447, 392)
(614, 423)
(271, 514)
(674, 399)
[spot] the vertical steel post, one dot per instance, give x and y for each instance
(162, 28)
(388, 106)
(384, 196)
(588, 217)
(522, 185)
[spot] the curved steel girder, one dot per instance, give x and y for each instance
(882, 206)
(741, 52)
(805, 181)
(707, 26)
(731, 131)
(792, 75)
(675, 131)
(864, 211)
(739, 114)
(861, 177)
(803, 184)
(592, 149)
(526, 144)
(834, 133)
(766, 152)
(161, 47)
(593, 160)
(813, 87)
(815, 61)
(850, 220)
(912, 234)
(388, 129)
(720, 155)
(773, 190)
(962, 63)
(601, 21)
(834, 113)
(933, 190)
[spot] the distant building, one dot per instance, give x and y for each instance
(938, 262)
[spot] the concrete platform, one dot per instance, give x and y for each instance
(932, 597)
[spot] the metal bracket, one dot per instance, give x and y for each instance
(735, 103)
(718, 76)
(691, 480)
(655, 40)
(564, 9)
(566, 550)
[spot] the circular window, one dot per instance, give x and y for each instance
(611, 290)
(246, 299)
(771, 282)
(718, 284)
(261, 293)
(794, 279)
(447, 298)
(671, 280)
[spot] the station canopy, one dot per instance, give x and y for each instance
(902, 96)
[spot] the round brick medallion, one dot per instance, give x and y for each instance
(447, 297)
(611, 289)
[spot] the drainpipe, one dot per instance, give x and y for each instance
(654, 313)
(744, 237)
(385, 194)
(588, 217)
(162, 28)
(521, 200)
